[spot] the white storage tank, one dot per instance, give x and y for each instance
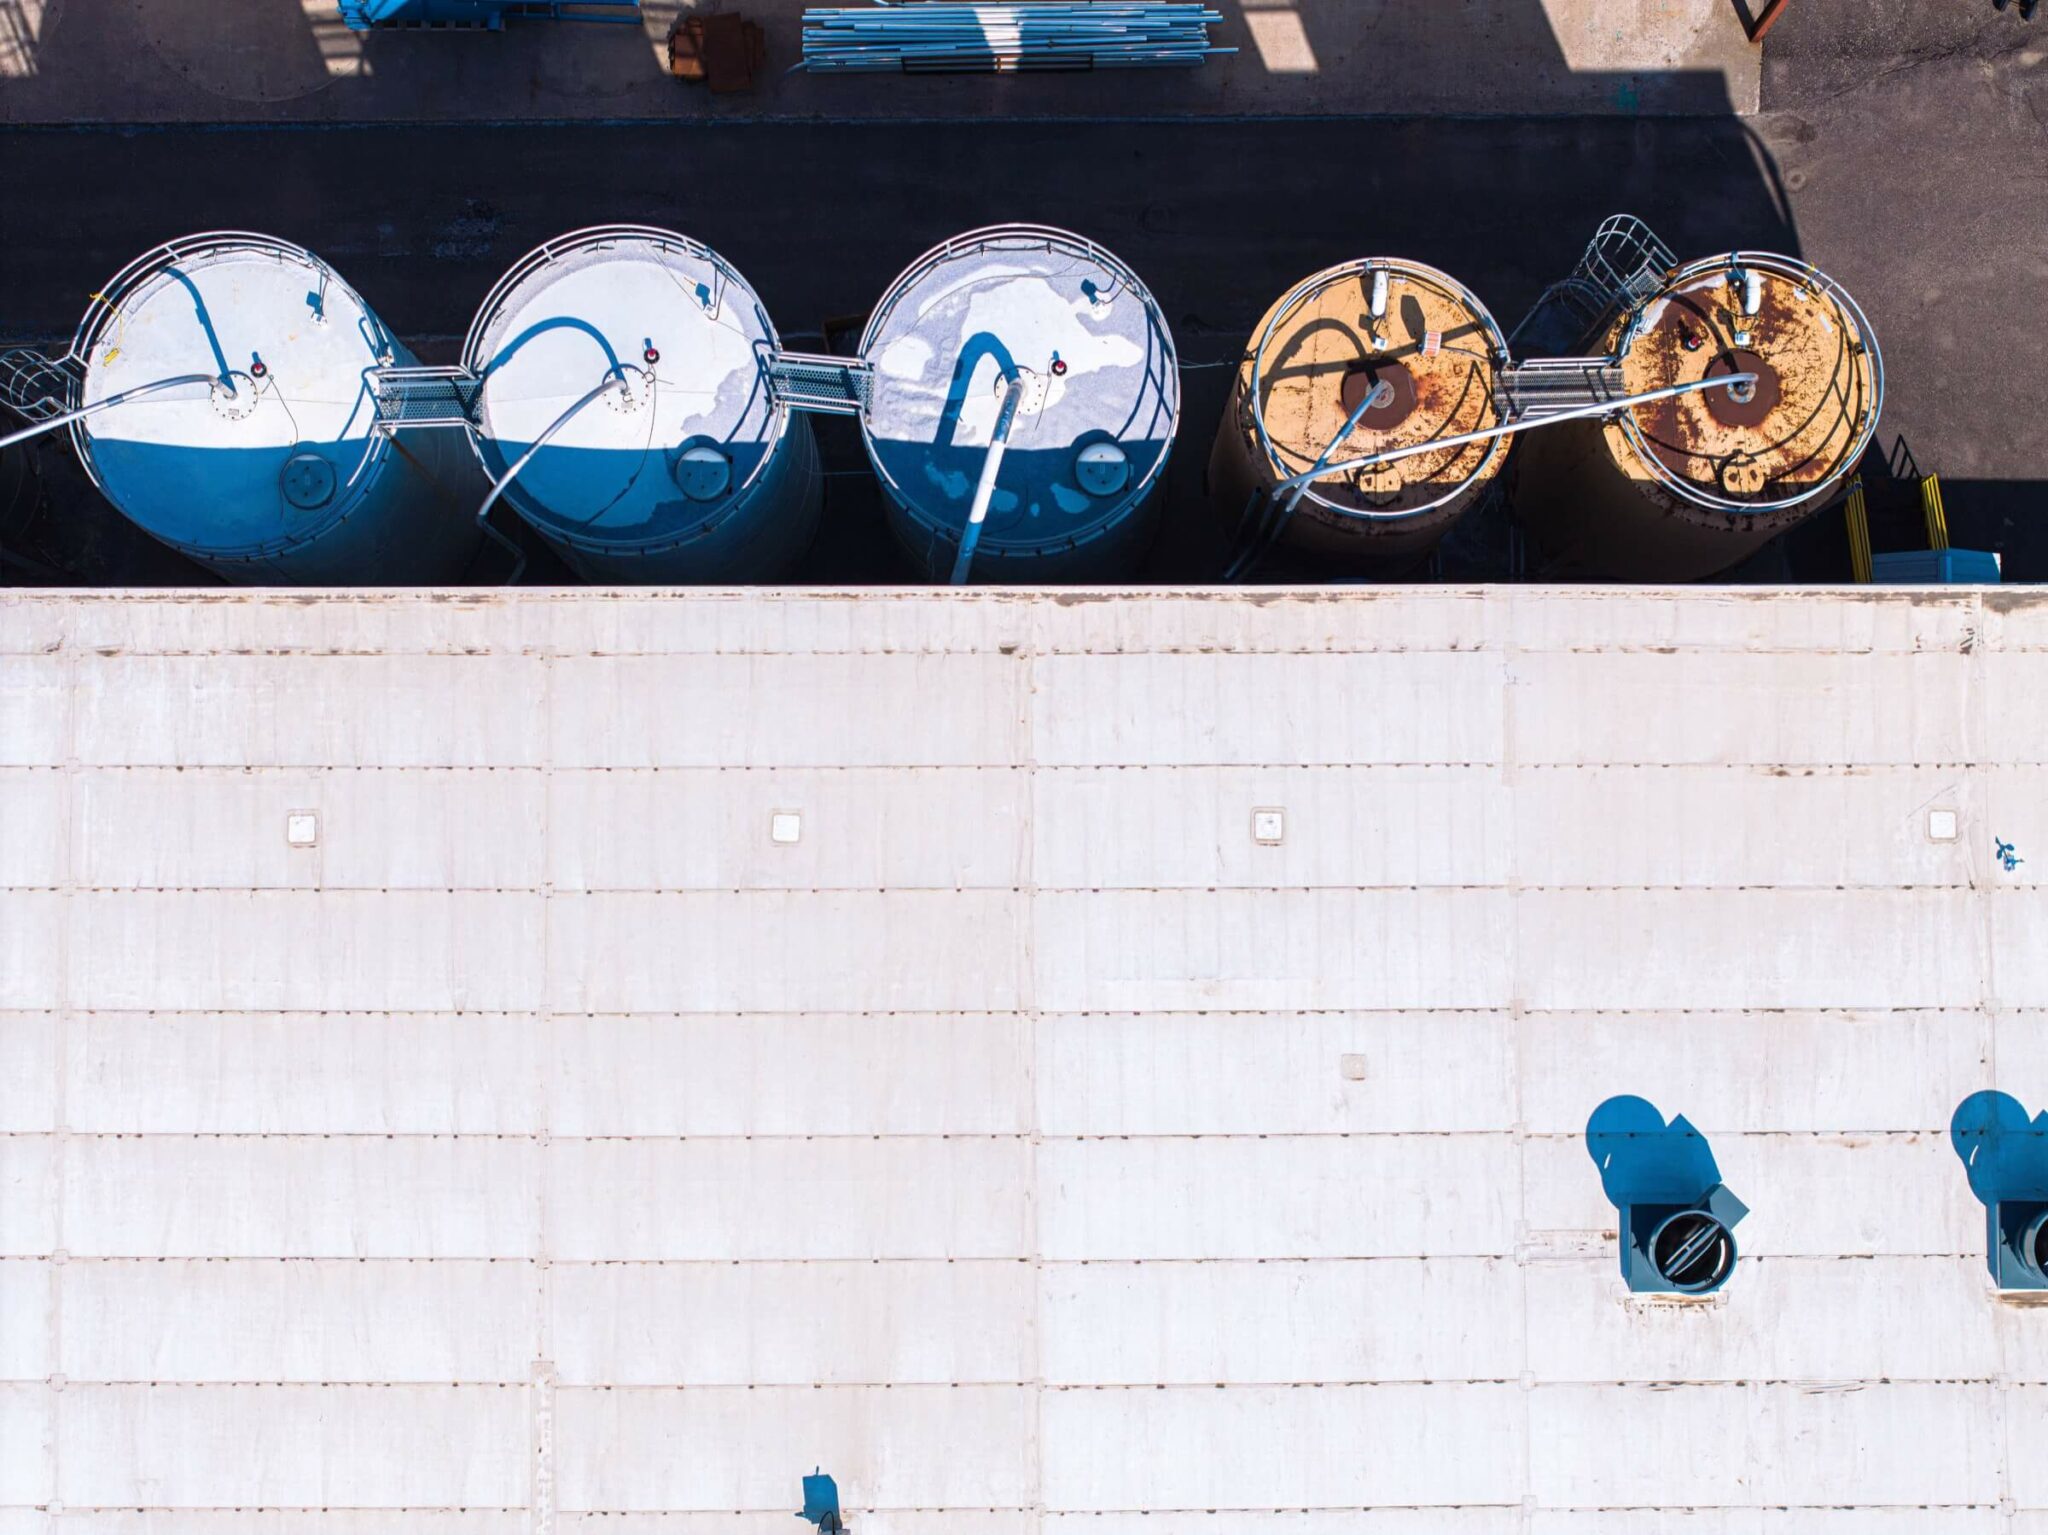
(273, 469)
(687, 467)
(1097, 404)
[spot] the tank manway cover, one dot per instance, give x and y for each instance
(255, 464)
(690, 420)
(1101, 386)
(1807, 415)
(1324, 348)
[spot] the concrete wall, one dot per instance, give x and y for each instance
(1027, 1146)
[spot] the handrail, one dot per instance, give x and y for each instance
(105, 306)
(549, 251)
(68, 417)
(1053, 237)
(1256, 544)
(1319, 282)
(1508, 429)
(1815, 281)
(1278, 517)
(614, 379)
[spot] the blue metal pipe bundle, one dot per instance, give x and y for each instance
(933, 36)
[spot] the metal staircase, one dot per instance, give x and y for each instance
(817, 382)
(36, 387)
(1624, 261)
(423, 397)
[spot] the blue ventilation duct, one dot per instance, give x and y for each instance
(1677, 1218)
(2005, 1155)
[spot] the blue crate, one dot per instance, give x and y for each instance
(1935, 567)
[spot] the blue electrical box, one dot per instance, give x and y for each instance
(2019, 1243)
(1936, 567)
(1681, 1249)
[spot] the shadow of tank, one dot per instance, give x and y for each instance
(1400, 354)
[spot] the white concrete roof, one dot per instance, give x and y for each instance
(546, 1149)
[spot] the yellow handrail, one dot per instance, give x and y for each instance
(1858, 516)
(1931, 508)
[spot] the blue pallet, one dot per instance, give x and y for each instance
(1935, 567)
(480, 15)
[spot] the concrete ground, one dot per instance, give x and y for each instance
(293, 61)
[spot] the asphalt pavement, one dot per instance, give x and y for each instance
(1920, 182)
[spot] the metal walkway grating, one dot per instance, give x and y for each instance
(1551, 386)
(418, 397)
(812, 381)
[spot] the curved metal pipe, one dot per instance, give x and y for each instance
(111, 400)
(1278, 515)
(985, 487)
(613, 380)
(1576, 413)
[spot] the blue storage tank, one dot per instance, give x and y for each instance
(1094, 423)
(275, 469)
(684, 465)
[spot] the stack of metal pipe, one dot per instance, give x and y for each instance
(931, 36)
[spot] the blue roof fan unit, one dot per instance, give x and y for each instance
(1681, 1249)
(2019, 1243)
(1677, 1218)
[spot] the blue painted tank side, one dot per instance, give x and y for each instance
(411, 520)
(1111, 549)
(756, 537)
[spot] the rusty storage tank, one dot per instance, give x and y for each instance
(1094, 419)
(681, 463)
(271, 466)
(1686, 487)
(1315, 357)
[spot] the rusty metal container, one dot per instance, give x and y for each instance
(1686, 487)
(1316, 355)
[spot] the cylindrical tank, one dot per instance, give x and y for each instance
(1095, 421)
(1317, 355)
(691, 469)
(277, 472)
(1686, 487)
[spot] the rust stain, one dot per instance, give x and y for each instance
(1432, 341)
(1815, 388)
